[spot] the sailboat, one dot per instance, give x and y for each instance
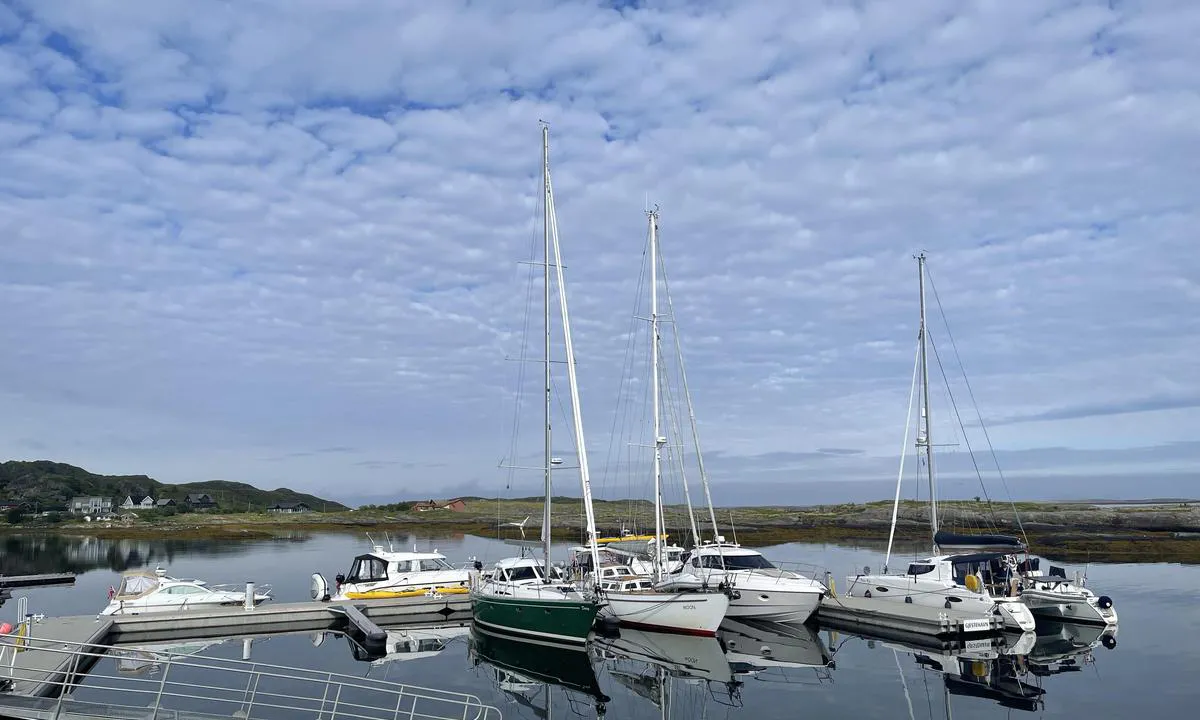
(645, 605)
(974, 584)
(520, 597)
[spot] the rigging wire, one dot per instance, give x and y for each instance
(978, 414)
(958, 417)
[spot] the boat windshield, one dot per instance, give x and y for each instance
(525, 572)
(367, 568)
(738, 562)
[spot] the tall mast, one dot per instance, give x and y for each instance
(546, 210)
(659, 440)
(925, 415)
(573, 382)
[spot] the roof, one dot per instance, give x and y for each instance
(164, 501)
(518, 562)
(291, 505)
(387, 556)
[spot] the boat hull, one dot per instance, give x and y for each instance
(899, 590)
(774, 604)
(688, 613)
(558, 620)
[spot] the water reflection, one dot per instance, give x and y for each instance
(34, 554)
(528, 674)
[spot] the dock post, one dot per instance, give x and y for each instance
(246, 645)
(248, 603)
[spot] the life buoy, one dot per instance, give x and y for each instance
(972, 583)
(112, 592)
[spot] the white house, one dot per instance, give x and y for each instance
(138, 502)
(91, 505)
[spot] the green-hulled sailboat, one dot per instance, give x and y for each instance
(522, 597)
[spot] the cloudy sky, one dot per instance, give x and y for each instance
(279, 240)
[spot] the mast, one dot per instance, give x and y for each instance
(925, 415)
(576, 413)
(659, 440)
(546, 210)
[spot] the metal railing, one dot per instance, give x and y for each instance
(74, 679)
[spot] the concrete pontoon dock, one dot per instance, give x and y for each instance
(15, 581)
(851, 613)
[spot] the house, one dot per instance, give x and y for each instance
(137, 501)
(199, 501)
(164, 503)
(91, 505)
(296, 507)
(455, 505)
(12, 505)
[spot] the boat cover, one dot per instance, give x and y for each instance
(946, 539)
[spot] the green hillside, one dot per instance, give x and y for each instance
(50, 485)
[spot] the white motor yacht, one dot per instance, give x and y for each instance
(142, 591)
(758, 588)
(388, 574)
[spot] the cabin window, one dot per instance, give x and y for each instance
(433, 564)
(920, 568)
(367, 569)
(518, 574)
(742, 562)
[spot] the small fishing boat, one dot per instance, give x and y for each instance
(386, 574)
(142, 591)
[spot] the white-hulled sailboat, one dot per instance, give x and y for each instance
(952, 582)
(634, 602)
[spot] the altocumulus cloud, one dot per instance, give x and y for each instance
(276, 241)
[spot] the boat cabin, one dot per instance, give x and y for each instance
(725, 556)
(629, 584)
(975, 571)
(378, 566)
(523, 571)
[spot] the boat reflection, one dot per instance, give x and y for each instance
(409, 643)
(527, 674)
(651, 664)
(776, 652)
(1008, 670)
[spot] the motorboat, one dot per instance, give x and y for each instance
(382, 574)
(1054, 596)
(142, 591)
(759, 589)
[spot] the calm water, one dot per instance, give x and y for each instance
(1151, 673)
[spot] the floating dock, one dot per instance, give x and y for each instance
(852, 613)
(16, 581)
(270, 618)
(43, 674)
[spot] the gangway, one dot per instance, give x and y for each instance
(82, 685)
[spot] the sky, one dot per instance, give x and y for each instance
(280, 241)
